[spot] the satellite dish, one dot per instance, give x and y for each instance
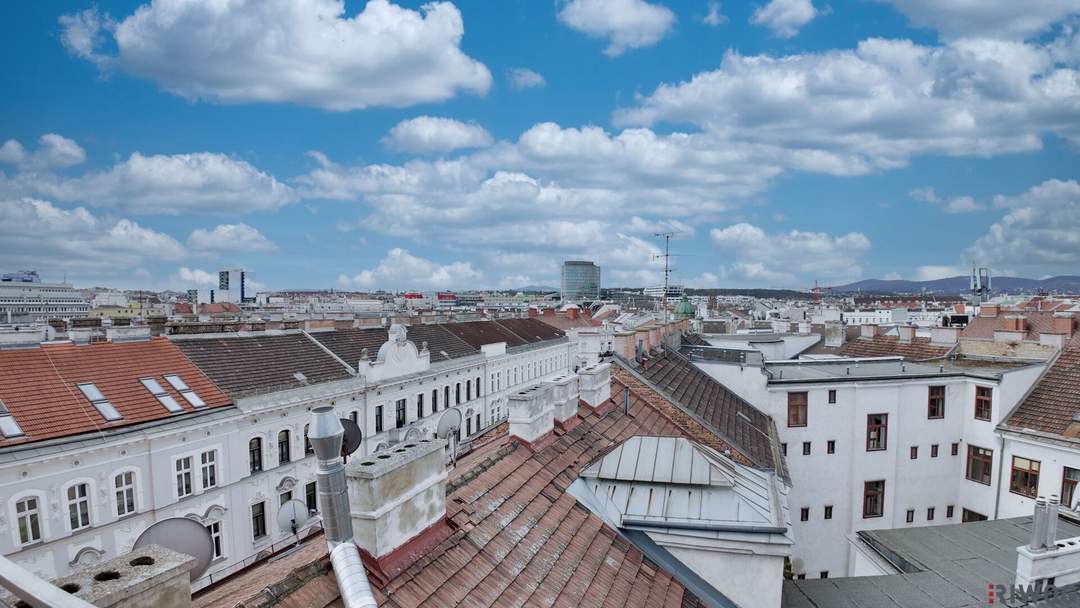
(182, 535)
(292, 516)
(353, 436)
(450, 422)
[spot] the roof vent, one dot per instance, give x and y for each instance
(300, 377)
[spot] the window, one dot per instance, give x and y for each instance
(183, 477)
(1069, 479)
(378, 418)
(446, 396)
(828, 511)
(832, 395)
(877, 432)
(824, 574)
(399, 412)
(98, 400)
(910, 516)
(283, 449)
(457, 394)
(215, 535)
(258, 520)
(984, 399)
(914, 452)
(434, 401)
(830, 446)
(125, 493)
(969, 515)
(956, 449)
(255, 454)
(933, 451)
(935, 402)
(468, 390)
(806, 448)
(979, 463)
(477, 387)
(163, 397)
(354, 416)
(804, 514)
(29, 516)
(185, 392)
(949, 511)
(78, 497)
(783, 448)
(208, 463)
(307, 442)
(468, 426)
(420, 406)
(8, 427)
(796, 409)
(284, 497)
(1025, 477)
(930, 514)
(478, 423)
(311, 493)
(801, 577)
(873, 499)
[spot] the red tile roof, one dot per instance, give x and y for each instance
(1052, 403)
(983, 328)
(891, 346)
(519, 538)
(38, 385)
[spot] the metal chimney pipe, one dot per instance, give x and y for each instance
(1052, 507)
(326, 434)
(1038, 525)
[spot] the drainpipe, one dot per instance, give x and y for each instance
(326, 435)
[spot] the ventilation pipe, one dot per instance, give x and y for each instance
(326, 435)
(1052, 521)
(1038, 525)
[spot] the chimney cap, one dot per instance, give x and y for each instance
(325, 433)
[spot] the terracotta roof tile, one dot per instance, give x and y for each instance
(891, 346)
(39, 385)
(983, 328)
(479, 333)
(1052, 403)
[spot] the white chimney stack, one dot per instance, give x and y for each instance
(1046, 558)
(595, 383)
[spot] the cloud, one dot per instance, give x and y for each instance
(986, 18)
(893, 276)
(787, 258)
(402, 270)
(164, 184)
(714, 17)
(1040, 233)
(641, 225)
(433, 134)
(958, 204)
(626, 24)
(57, 240)
(303, 52)
(53, 151)
(230, 237)
(524, 78)
(195, 276)
(933, 273)
(785, 17)
(876, 106)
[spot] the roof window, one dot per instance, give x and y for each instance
(98, 400)
(189, 395)
(8, 427)
(163, 397)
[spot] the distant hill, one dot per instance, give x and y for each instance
(960, 284)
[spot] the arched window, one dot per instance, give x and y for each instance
(468, 390)
(283, 447)
(478, 387)
(255, 454)
(125, 493)
(457, 394)
(307, 442)
(434, 401)
(28, 513)
(446, 396)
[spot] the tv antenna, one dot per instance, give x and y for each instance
(447, 429)
(182, 535)
(667, 267)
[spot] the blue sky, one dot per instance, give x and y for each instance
(476, 144)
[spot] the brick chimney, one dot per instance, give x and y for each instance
(549, 312)
(396, 494)
(907, 333)
(869, 330)
(1064, 323)
(533, 312)
(1015, 323)
(989, 310)
(572, 313)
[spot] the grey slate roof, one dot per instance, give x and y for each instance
(947, 565)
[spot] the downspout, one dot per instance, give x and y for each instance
(326, 435)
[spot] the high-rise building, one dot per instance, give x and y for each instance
(580, 280)
(232, 287)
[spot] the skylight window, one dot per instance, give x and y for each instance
(98, 400)
(181, 387)
(165, 398)
(8, 427)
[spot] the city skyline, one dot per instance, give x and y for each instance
(787, 142)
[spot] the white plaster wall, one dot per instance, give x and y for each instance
(749, 580)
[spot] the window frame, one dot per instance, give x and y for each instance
(208, 469)
(984, 400)
(798, 404)
(401, 416)
(832, 396)
(879, 494)
(258, 521)
(378, 418)
(987, 460)
(217, 539)
(1031, 475)
(124, 493)
(284, 447)
(935, 403)
(183, 469)
(806, 448)
(1069, 486)
(804, 514)
(35, 520)
(80, 513)
(828, 512)
(255, 455)
(830, 446)
(881, 442)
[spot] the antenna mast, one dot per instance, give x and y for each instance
(667, 268)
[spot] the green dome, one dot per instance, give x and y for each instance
(684, 309)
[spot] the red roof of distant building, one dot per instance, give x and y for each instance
(891, 346)
(39, 385)
(1051, 406)
(218, 308)
(983, 327)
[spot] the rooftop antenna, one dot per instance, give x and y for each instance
(667, 267)
(182, 535)
(447, 429)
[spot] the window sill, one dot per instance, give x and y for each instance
(1022, 495)
(978, 481)
(865, 516)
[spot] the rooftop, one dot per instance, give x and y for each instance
(948, 565)
(1052, 406)
(853, 370)
(891, 346)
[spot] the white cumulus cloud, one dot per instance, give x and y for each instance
(230, 237)
(524, 78)
(714, 16)
(403, 270)
(53, 151)
(986, 18)
(784, 258)
(304, 52)
(626, 24)
(785, 17)
(956, 204)
(197, 277)
(435, 134)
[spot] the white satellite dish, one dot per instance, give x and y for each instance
(292, 516)
(447, 429)
(182, 535)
